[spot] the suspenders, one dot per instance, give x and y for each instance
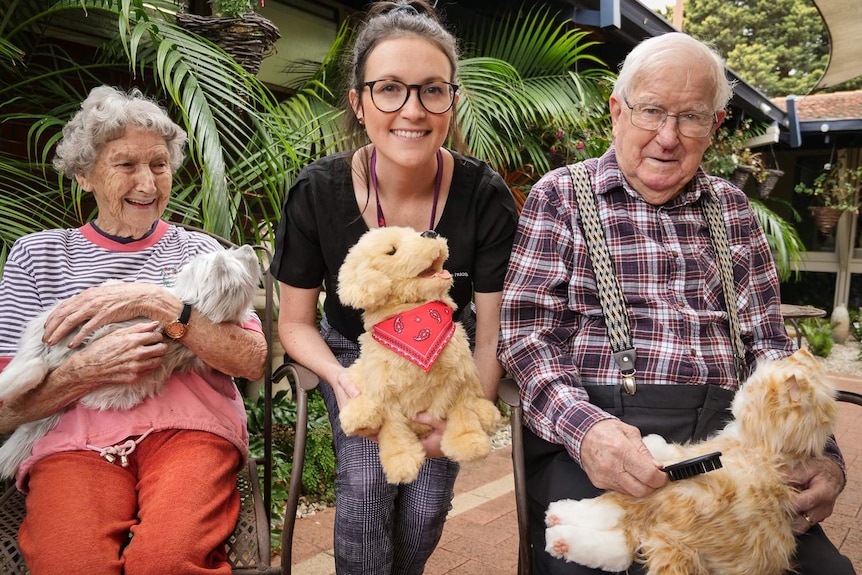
(609, 292)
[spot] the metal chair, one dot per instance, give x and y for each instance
(248, 548)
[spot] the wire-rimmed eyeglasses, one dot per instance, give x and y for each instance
(391, 95)
(690, 124)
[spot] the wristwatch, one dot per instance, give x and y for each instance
(178, 328)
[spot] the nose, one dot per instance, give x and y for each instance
(430, 234)
(146, 179)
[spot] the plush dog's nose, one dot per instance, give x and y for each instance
(430, 234)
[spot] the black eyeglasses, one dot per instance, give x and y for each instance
(691, 124)
(391, 95)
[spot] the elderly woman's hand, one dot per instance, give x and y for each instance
(122, 356)
(99, 306)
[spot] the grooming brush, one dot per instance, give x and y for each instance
(694, 466)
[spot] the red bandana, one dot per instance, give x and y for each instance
(419, 334)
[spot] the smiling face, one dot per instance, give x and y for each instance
(131, 182)
(659, 163)
(411, 136)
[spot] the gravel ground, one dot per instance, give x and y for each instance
(842, 360)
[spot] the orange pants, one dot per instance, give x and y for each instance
(178, 498)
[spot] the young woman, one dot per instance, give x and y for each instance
(403, 94)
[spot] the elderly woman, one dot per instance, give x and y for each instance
(176, 494)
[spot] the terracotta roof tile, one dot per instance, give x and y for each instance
(837, 106)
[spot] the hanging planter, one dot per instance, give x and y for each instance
(825, 218)
(765, 187)
(247, 38)
(740, 175)
(836, 191)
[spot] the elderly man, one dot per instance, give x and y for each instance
(687, 351)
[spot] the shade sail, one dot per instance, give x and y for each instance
(843, 19)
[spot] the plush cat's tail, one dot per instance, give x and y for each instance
(20, 444)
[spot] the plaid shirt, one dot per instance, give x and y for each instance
(554, 338)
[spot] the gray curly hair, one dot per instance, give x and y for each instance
(104, 116)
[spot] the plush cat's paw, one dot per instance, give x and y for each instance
(599, 549)
(597, 513)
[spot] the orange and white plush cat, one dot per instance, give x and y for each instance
(735, 520)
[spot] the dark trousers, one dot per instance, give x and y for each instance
(677, 413)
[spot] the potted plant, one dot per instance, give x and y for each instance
(728, 157)
(237, 29)
(834, 191)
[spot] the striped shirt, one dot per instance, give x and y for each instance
(554, 339)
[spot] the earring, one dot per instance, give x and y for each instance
(361, 120)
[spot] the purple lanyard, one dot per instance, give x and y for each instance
(381, 220)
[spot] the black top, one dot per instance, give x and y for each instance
(320, 222)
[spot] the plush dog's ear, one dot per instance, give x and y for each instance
(361, 286)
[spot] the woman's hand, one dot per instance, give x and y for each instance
(431, 441)
(98, 306)
(122, 356)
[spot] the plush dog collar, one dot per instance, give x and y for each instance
(419, 334)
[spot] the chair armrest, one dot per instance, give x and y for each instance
(849, 397)
(508, 392)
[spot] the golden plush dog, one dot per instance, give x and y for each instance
(413, 357)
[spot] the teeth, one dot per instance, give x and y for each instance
(409, 135)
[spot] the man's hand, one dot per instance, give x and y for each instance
(614, 457)
(819, 480)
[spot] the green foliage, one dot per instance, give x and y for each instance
(232, 8)
(818, 333)
(856, 324)
(521, 96)
(245, 146)
(783, 239)
(780, 47)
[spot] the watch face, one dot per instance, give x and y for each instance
(175, 330)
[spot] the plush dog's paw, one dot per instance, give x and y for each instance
(401, 467)
(360, 414)
(488, 415)
(466, 445)
(599, 549)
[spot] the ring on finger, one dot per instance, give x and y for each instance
(808, 520)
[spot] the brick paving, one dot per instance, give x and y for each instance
(481, 535)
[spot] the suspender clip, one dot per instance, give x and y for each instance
(625, 361)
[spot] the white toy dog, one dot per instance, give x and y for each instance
(413, 357)
(219, 285)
